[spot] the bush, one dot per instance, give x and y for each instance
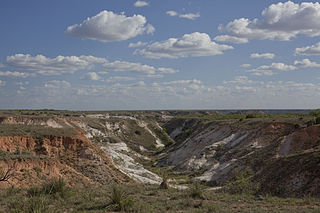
(54, 186)
(310, 123)
(164, 184)
(37, 205)
(137, 132)
(318, 120)
(242, 184)
(315, 113)
(119, 200)
(196, 191)
(248, 116)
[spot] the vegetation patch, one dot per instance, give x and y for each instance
(34, 130)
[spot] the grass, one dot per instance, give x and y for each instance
(286, 117)
(52, 187)
(16, 155)
(39, 131)
(148, 198)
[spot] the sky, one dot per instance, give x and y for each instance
(168, 54)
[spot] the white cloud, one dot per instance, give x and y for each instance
(108, 26)
(141, 3)
(119, 78)
(194, 44)
(231, 39)
(262, 72)
(91, 76)
(53, 66)
(306, 63)
(191, 16)
(263, 55)
(167, 70)
(193, 81)
(268, 69)
(245, 65)
(309, 50)
(103, 73)
(124, 66)
(281, 21)
(239, 80)
(172, 13)
(22, 83)
(56, 84)
(138, 44)
(2, 83)
(16, 74)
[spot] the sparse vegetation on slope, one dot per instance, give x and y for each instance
(243, 153)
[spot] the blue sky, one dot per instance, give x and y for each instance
(169, 54)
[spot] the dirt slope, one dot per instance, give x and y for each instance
(76, 159)
(283, 157)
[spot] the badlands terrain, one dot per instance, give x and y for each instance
(159, 161)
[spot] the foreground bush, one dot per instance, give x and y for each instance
(54, 186)
(119, 200)
(196, 191)
(242, 184)
(37, 205)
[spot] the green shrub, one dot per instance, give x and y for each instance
(196, 191)
(310, 123)
(37, 205)
(315, 113)
(119, 200)
(318, 120)
(54, 186)
(137, 132)
(242, 184)
(248, 116)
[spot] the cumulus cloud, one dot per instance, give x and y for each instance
(22, 83)
(91, 76)
(53, 66)
(263, 55)
(191, 16)
(306, 63)
(172, 13)
(231, 39)
(141, 3)
(2, 83)
(194, 44)
(167, 70)
(123, 66)
(16, 74)
(239, 80)
(119, 78)
(57, 84)
(309, 50)
(245, 65)
(137, 44)
(268, 69)
(107, 26)
(281, 21)
(193, 81)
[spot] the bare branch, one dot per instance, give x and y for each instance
(9, 173)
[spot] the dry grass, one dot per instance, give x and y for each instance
(148, 198)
